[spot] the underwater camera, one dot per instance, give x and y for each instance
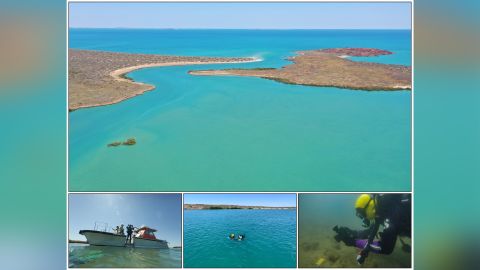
(345, 235)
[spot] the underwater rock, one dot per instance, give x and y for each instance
(114, 144)
(130, 141)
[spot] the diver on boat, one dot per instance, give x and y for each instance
(232, 236)
(392, 211)
(121, 230)
(130, 228)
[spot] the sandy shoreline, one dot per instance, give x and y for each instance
(98, 78)
(119, 73)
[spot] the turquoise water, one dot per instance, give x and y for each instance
(270, 238)
(86, 256)
(318, 214)
(201, 133)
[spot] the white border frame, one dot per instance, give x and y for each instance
(412, 127)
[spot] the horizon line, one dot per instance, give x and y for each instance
(254, 205)
(171, 28)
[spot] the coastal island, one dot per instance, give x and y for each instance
(97, 78)
(331, 68)
(231, 207)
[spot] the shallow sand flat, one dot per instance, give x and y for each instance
(330, 68)
(97, 78)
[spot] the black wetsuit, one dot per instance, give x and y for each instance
(129, 234)
(394, 212)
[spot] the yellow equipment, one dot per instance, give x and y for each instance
(365, 206)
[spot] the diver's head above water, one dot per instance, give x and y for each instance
(365, 208)
(239, 237)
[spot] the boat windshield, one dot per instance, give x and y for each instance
(147, 234)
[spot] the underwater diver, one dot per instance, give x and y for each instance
(393, 211)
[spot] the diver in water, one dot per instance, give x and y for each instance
(232, 236)
(241, 237)
(128, 239)
(392, 211)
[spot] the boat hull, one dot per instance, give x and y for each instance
(147, 243)
(98, 238)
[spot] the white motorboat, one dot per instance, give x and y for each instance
(144, 237)
(99, 238)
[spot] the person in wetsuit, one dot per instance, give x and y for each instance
(241, 237)
(392, 211)
(130, 228)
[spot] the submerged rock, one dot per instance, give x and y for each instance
(130, 141)
(114, 144)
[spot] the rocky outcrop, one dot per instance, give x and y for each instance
(328, 68)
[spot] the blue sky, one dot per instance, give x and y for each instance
(242, 199)
(241, 15)
(160, 211)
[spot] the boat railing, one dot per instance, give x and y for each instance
(101, 226)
